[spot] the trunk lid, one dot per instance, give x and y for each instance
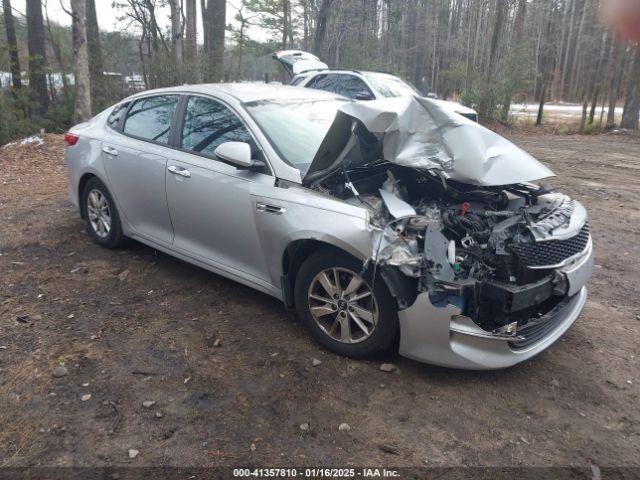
(296, 62)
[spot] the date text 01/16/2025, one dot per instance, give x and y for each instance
(315, 473)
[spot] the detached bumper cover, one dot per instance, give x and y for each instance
(442, 336)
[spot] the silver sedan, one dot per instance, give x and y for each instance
(390, 224)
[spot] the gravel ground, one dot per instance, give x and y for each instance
(135, 325)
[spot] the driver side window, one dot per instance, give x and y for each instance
(208, 124)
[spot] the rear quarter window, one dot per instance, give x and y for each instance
(116, 115)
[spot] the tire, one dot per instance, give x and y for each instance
(310, 295)
(94, 195)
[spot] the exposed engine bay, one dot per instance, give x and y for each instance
(492, 251)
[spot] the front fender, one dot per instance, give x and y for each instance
(307, 215)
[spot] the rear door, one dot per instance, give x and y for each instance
(135, 160)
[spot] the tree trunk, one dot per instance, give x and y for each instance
(191, 32)
(321, 26)
(617, 68)
(583, 118)
(37, 55)
(565, 64)
(487, 101)
(82, 108)
(12, 43)
(631, 110)
(57, 52)
(214, 22)
(541, 106)
(516, 39)
(99, 96)
(578, 53)
(176, 32)
(286, 12)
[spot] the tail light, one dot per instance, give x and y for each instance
(71, 139)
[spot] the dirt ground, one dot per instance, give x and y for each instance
(149, 334)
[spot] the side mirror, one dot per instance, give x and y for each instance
(434, 96)
(364, 96)
(237, 153)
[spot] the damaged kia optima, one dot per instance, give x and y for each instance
(390, 223)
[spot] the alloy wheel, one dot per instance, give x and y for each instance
(343, 305)
(99, 213)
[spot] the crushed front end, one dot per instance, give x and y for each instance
(488, 268)
(484, 277)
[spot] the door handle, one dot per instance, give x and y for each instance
(110, 151)
(179, 171)
(273, 209)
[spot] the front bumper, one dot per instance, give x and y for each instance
(442, 336)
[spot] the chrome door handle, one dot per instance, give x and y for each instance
(179, 171)
(110, 151)
(273, 209)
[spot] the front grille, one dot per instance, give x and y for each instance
(534, 333)
(551, 252)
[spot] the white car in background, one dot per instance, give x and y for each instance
(309, 71)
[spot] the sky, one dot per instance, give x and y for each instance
(108, 16)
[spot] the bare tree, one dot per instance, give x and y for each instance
(631, 110)
(213, 24)
(82, 107)
(99, 94)
(37, 55)
(191, 20)
(321, 26)
(176, 31)
(12, 43)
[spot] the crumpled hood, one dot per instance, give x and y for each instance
(417, 132)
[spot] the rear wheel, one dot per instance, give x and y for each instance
(342, 307)
(101, 215)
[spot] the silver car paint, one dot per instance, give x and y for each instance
(417, 132)
(136, 172)
(430, 334)
(255, 238)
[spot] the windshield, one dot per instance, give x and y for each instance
(390, 85)
(295, 129)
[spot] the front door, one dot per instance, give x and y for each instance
(210, 202)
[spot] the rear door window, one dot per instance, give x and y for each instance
(209, 123)
(150, 118)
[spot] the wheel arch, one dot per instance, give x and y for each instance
(294, 256)
(84, 179)
(403, 289)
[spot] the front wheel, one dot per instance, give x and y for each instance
(342, 307)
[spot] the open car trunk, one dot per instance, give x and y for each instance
(296, 62)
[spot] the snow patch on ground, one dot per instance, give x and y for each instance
(35, 140)
(32, 140)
